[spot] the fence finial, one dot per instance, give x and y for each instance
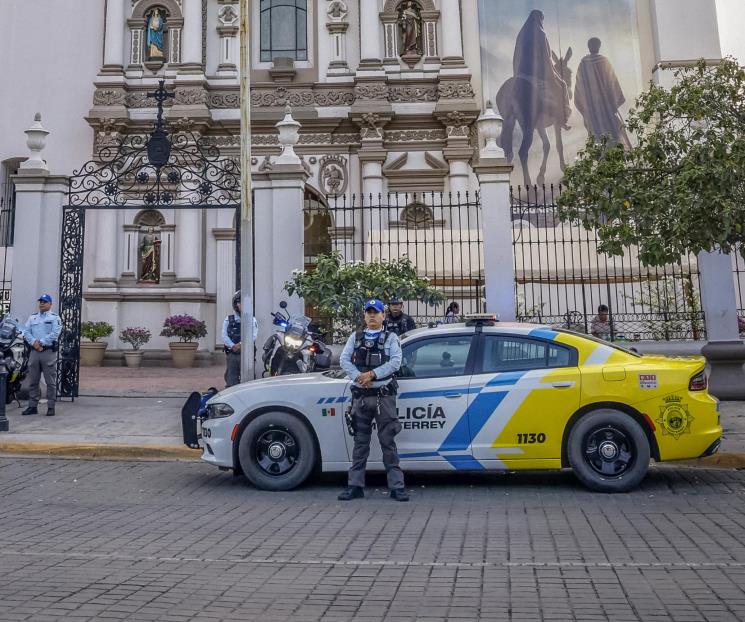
(36, 139)
(489, 126)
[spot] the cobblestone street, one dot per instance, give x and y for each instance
(95, 540)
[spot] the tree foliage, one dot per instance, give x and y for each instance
(681, 188)
(339, 290)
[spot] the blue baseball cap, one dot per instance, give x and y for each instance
(45, 298)
(376, 304)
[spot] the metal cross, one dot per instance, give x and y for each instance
(160, 95)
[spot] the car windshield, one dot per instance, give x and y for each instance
(298, 325)
(610, 344)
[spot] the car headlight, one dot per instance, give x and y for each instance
(218, 411)
(293, 342)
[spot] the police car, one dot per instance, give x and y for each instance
(480, 396)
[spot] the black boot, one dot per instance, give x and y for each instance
(50, 412)
(399, 494)
(31, 410)
(351, 492)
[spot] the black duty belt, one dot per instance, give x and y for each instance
(387, 389)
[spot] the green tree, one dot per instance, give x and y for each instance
(339, 290)
(681, 188)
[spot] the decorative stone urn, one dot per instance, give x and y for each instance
(133, 358)
(92, 353)
(182, 353)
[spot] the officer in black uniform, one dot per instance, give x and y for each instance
(371, 357)
(231, 338)
(397, 321)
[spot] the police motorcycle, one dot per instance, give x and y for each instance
(14, 355)
(295, 347)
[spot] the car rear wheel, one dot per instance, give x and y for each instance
(277, 451)
(608, 451)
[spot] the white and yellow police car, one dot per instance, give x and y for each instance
(480, 396)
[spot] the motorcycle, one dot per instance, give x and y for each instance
(14, 354)
(295, 348)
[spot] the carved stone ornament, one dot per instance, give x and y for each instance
(224, 99)
(281, 96)
(139, 99)
(337, 10)
(191, 96)
(410, 136)
(332, 174)
(455, 90)
(406, 94)
(371, 126)
(109, 97)
(227, 15)
(371, 91)
(457, 124)
(184, 124)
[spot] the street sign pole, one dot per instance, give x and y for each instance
(246, 224)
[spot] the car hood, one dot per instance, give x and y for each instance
(288, 383)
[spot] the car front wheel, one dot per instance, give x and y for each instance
(277, 451)
(608, 451)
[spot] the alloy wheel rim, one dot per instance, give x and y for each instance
(609, 451)
(276, 451)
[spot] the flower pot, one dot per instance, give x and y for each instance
(182, 354)
(133, 358)
(91, 353)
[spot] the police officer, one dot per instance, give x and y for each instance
(231, 338)
(371, 357)
(42, 330)
(397, 321)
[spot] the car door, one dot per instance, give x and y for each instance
(522, 393)
(432, 396)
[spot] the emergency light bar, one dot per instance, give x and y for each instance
(481, 319)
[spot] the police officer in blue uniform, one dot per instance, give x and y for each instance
(397, 321)
(42, 331)
(370, 358)
(231, 338)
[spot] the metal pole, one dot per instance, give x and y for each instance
(4, 427)
(247, 276)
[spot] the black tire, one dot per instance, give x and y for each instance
(277, 451)
(608, 451)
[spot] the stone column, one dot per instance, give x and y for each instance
(113, 59)
(227, 18)
(225, 270)
(38, 227)
(370, 216)
(188, 251)
(370, 48)
(107, 242)
(191, 39)
(337, 27)
(452, 38)
(493, 171)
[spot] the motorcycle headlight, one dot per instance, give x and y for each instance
(218, 411)
(293, 342)
(18, 349)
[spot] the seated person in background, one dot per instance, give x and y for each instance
(600, 325)
(447, 360)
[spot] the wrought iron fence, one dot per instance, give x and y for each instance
(738, 271)
(7, 226)
(440, 233)
(562, 279)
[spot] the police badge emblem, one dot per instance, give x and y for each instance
(674, 417)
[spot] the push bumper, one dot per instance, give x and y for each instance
(189, 420)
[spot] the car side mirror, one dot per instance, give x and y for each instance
(282, 304)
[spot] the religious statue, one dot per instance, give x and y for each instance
(410, 26)
(150, 257)
(156, 25)
(333, 178)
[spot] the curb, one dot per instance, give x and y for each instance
(97, 451)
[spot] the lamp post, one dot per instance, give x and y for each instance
(4, 425)
(247, 280)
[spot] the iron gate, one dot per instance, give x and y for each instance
(155, 171)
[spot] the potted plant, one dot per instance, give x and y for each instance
(135, 336)
(93, 350)
(188, 329)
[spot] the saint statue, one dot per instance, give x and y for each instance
(155, 30)
(410, 26)
(150, 257)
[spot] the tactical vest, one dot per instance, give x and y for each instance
(234, 329)
(370, 353)
(397, 325)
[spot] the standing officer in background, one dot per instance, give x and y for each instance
(231, 339)
(371, 357)
(397, 321)
(42, 331)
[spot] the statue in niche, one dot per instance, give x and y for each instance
(150, 257)
(410, 28)
(156, 25)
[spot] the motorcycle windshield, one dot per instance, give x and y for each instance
(298, 327)
(9, 329)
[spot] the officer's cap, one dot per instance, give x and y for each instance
(376, 304)
(396, 300)
(45, 298)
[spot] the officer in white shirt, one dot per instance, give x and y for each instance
(42, 331)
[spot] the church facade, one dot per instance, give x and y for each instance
(386, 92)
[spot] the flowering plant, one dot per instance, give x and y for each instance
(135, 336)
(185, 327)
(93, 331)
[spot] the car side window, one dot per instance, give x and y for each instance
(507, 353)
(436, 358)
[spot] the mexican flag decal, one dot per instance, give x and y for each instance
(329, 412)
